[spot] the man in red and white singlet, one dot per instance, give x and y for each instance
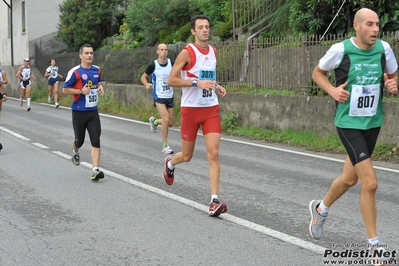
(195, 72)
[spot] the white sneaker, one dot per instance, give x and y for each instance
(49, 99)
(28, 109)
(381, 256)
(152, 125)
(167, 150)
(57, 105)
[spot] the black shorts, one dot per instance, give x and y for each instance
(359, 144)
(168, 102)
(52, 81)
(89, 121)
(25, 84)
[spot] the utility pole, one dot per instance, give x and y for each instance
(234, 40)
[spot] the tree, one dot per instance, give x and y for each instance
(87, 21)
(219, 12)
(154, 21)
(314, 16)
(149, 22)
(145, 18)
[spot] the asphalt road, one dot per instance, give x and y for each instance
(52, 214)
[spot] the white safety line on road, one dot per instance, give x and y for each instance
(259, 228)
(247, 143)
(40, 145)
(304, 154)
(261, 145)
(250, 225)
(247, 224)
(63, 155)
(14, 134)
(52, 105)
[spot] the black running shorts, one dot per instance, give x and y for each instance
(359, 144)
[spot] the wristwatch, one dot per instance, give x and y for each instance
(194, 83)
(81, 92)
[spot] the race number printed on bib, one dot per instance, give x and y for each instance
(206, 96)
(165, 86)
(92, 98)
(364, 100)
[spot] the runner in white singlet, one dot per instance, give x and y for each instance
(52, 75)
(162, 93)
(25, 75)
(195, 72)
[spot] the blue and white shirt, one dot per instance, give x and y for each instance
(77, 78)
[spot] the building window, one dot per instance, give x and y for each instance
(9, 22)
(23, 17)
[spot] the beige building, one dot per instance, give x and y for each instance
(26, 24)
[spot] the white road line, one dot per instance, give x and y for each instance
(262, 229)
(124, 119)
(304, 154)
(248, 143)
(276, 234)
(52, 105)
(247, 224)
(63, 155)
(250, 225)
(14, 134)
(40, 145)
(262, 146)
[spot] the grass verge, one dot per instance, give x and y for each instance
(231, 125)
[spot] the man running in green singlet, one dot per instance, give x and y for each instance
(364, 66)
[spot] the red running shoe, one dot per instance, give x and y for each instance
(216, 208)
(168, 174)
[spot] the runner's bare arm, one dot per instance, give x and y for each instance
(18, 74)
(5, 78)
(174, 80)
(144, 81)
(100, 89)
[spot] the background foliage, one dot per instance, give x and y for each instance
(314, 16)
(127, 24)
(88, 21)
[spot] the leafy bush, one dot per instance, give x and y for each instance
(39, 93)
(224, 30)
(231, 121)
(166, 35)
(183, 33)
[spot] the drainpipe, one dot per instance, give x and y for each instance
(11, 32)
(245, 65)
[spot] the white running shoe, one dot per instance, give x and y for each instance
(75, 157)
(152, 125)
(167, 150)
(57, 105)
(317, 220)
(97, 175)
(381, 256)
(49, 99)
